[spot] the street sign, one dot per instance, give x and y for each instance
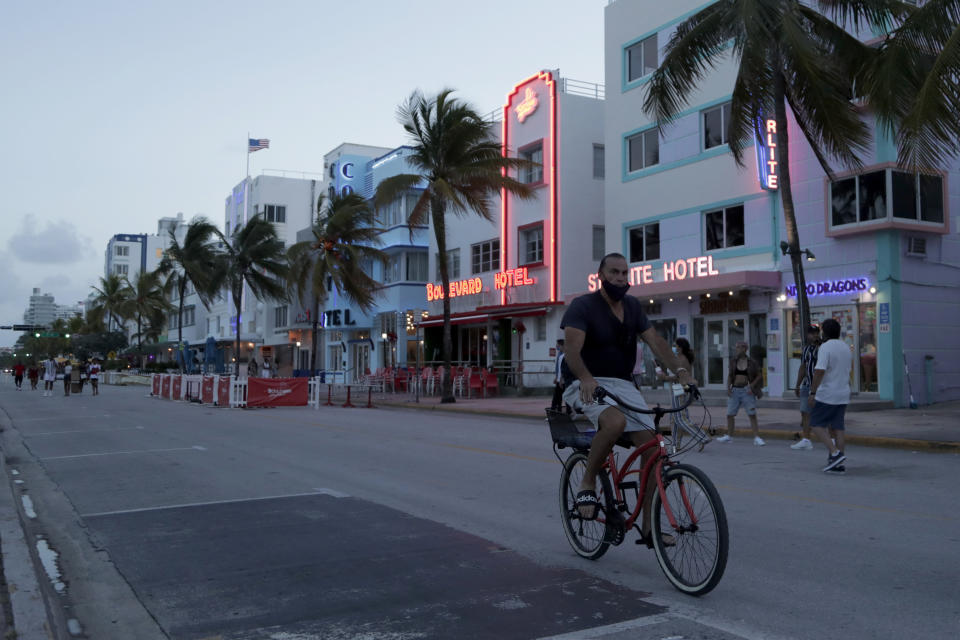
(112, 355)
(884, 319)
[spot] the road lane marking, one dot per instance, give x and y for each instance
(321, 492)
(330, 492)
(57, 433)
(599, 632)
(117, 453)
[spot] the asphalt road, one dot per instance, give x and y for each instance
(191, 522)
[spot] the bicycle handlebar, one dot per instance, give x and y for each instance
(691, 391)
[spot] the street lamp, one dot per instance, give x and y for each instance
(786, 249)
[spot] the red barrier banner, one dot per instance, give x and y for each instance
(223, 391)
(165, 387)
(177, 387)
(156, 384)
(277, 392)
(206, 390)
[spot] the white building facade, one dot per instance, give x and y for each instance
(702, 236)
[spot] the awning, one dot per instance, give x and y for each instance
(478, 317)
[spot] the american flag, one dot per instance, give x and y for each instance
(258, 143)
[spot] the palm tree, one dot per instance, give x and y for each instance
(194, 261)
(343, 235)
(789, 54)
(461, 167)
(254, 257)
(147, 303)
(111, 298)
(915, 86)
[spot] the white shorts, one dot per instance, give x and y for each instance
(48, 378)
(622, 388)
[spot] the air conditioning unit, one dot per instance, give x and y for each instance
(917, 247)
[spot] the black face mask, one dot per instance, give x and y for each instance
(616, 292)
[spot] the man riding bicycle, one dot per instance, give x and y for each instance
(600, 334)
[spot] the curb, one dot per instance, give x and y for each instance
(21, 568)
(937, 446)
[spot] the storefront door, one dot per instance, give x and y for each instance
(722, 335)
(857, 330)
(360, 359)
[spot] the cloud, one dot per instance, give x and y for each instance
(58, 243)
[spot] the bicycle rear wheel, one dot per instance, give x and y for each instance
(695, 564)
(585, 536)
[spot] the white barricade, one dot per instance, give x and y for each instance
(191, 387)
(238, 392)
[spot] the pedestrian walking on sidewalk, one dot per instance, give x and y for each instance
(94, 372)
(67, 373)
(18, 370)
(744, 384)
(33, 373)
(802, 389)
(49, 376)
(830, 394)
(557, 402)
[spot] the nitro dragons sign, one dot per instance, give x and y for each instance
(849, 285)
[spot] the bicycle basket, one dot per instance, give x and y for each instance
(564, 431)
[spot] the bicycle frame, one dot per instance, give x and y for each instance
(654, 464)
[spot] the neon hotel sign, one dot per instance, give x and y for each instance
(767, 161)
(672, 270)
(518, 277)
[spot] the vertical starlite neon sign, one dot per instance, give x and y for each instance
(768, 160)
(524, 100)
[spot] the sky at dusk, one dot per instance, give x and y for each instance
(116, 114)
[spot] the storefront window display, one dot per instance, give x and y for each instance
(857, 329)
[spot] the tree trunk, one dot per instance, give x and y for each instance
(182, 285)
(236, 353)
(440, 230)
(314, 346)
(786, 198)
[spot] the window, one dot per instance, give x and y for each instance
(715, 123)
(391, 269)
(485, 256)
(531, 244)
(189, 315)
(598, 168)
(280, 316)
(453, 263)
(540, 328)
(532, 174)
(599, 242)
(121, 269)
(417, 266)
(645, 242)
(227, 229)
(866, 197)
(724, 228)
(122, 251)
(642, 58)
(644, 150)
(275, 213)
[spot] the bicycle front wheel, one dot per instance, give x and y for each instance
(695, 562)
(587, 537)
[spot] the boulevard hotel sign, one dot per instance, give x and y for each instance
(518, 277)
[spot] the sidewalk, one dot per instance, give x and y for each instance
(928, 428)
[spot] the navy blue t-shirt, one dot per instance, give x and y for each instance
(610, 347)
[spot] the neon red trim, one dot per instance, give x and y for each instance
(553, 249)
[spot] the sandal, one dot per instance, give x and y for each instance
(586, 498)
(667, 539)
